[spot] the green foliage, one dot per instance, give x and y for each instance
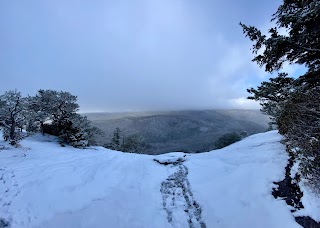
(293, 103)
(272, 95)
(115, 143)
(55, 113)
(78, 132)
(301, 44)
(54, 106)
(227, 139)
(135, 143)
(132, 143)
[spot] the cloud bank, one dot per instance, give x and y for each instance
(132, 55)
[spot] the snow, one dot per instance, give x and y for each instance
(242, 176)
(45, 185)
(310, 201)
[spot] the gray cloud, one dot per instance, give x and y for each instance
(132, 55)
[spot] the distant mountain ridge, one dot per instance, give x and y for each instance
(193, 131)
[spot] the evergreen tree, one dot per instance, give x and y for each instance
(54, 113)
(78, 132)
(42, 106)
(132, 143)
(54, 106)
(227, 139)
(299, 123)
(50, 112)
(272, 95)
(115, 143)
(135, 143)
(293, 103)
(300, 45)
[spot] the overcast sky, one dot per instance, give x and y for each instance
(131, 55)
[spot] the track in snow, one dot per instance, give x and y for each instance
(8, 191)
(178, 200)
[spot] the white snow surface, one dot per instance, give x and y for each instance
(310, 201)
(45, 185)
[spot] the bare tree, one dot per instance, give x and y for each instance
(12, 115)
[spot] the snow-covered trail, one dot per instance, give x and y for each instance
(45, 185)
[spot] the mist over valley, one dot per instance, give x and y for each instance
(187, 131)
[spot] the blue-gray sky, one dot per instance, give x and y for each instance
(133, 55)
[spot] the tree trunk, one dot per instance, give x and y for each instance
(12, 131)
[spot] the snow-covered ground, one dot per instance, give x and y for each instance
(45, 185)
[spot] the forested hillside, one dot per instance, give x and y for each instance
(190, 131)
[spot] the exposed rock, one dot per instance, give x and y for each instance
(3, 223)
(289, 190)
(306, 221)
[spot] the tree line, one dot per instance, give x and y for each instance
(50, 112)
(131, 143)
(292, 102)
